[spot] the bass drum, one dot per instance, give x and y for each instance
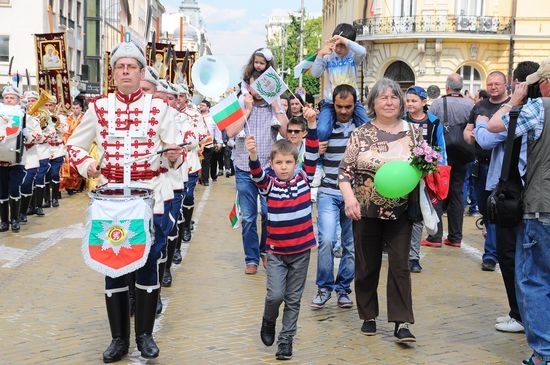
(11, 118)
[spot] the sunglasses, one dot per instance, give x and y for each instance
(294, 131)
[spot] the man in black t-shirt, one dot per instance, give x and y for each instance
(496, 87)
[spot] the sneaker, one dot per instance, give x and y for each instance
(251, 269)
(488, 265)
(511, 326)
(414, 266)
(284, 351)
(502, 319)
(320, 299)
(344, 301)
(447, 242)
(403, 333)
(369, 327)
(337, 251)
(535, 360)
(430, 243)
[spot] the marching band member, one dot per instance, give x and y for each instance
(113, 121)
(71, 180)
(11, 174)
(30, 157)
(57, 156)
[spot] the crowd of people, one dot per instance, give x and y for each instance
(288, 158)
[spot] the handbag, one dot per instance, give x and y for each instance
(438, 182)
(429, 214)
(458, 150)
(505, 204)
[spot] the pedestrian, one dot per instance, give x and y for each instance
(432, 132)
(259, 117)
(290, 231)
(453, 109)
(532, 251)
(338, 59)
(330, 208)
(380, 223)
(209, 165)
(137, 112)
(496, 88)
(505, 236)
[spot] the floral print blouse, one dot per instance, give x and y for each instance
(369, 148)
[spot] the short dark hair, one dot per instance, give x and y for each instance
(206, 102)
(285, 147)
(342, 91)
(524, 69)
(298, 121)
(345, 30)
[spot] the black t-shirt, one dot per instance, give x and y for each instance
(484, 107)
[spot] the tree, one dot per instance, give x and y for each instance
(291, 51)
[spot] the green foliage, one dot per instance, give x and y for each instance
(291, 52)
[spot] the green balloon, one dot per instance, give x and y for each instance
(395, 179)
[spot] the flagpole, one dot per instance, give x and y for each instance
(301, 41)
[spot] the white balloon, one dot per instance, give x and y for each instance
(210, 76)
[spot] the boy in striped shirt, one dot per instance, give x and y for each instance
(290, 235)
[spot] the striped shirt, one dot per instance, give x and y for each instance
(289, 222)
(337, 143)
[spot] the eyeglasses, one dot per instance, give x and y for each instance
(123, 66)
(294, 131)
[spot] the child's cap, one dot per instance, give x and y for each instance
(266, 53)
(418, 91)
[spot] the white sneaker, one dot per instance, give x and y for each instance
(503, 319)
(510, 326)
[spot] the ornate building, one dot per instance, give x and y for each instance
(186, 23)
(423, 41)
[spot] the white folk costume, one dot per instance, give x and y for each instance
(112, 120)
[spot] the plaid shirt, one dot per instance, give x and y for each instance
(531, 118)
(259, 125)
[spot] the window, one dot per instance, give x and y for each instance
(5, 2)
(4, 48)
(472, 78)
(401, 72)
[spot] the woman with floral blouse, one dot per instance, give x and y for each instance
(380, 222)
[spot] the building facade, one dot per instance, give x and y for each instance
(422, 41)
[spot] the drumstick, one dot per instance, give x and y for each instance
(98, 167)
(158, 152)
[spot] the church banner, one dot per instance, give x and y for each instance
(52, 66)
(169, 63)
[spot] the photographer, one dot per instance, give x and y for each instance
(533, 254)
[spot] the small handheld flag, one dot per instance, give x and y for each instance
(226, 112)
(269, 85)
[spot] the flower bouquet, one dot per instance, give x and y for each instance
(425, 157)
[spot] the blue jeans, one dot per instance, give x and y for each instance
(533, 282)
(468, 190)
(327, 119)
(330, 210)
(253, 244)
(482, 195)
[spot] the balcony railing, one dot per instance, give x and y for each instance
(380, 26)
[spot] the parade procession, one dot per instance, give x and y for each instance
(348, 183)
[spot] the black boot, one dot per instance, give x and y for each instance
(47, 197)
(25, 201)
(39, 197)
(4, 217)
(177, 251)
(161, 269)
(119, 321)
(55, 194)
(170, 248)
(146, 304)
(14, 213)
(187, 214)
(32, 203)
(131, 281)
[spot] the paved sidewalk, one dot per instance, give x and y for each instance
(52, 308)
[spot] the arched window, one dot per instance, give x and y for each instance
(401, 72)
(472, 78)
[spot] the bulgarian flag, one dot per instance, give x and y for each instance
(305, 65)
(227, 112)
(235, 214)
(118, 236)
